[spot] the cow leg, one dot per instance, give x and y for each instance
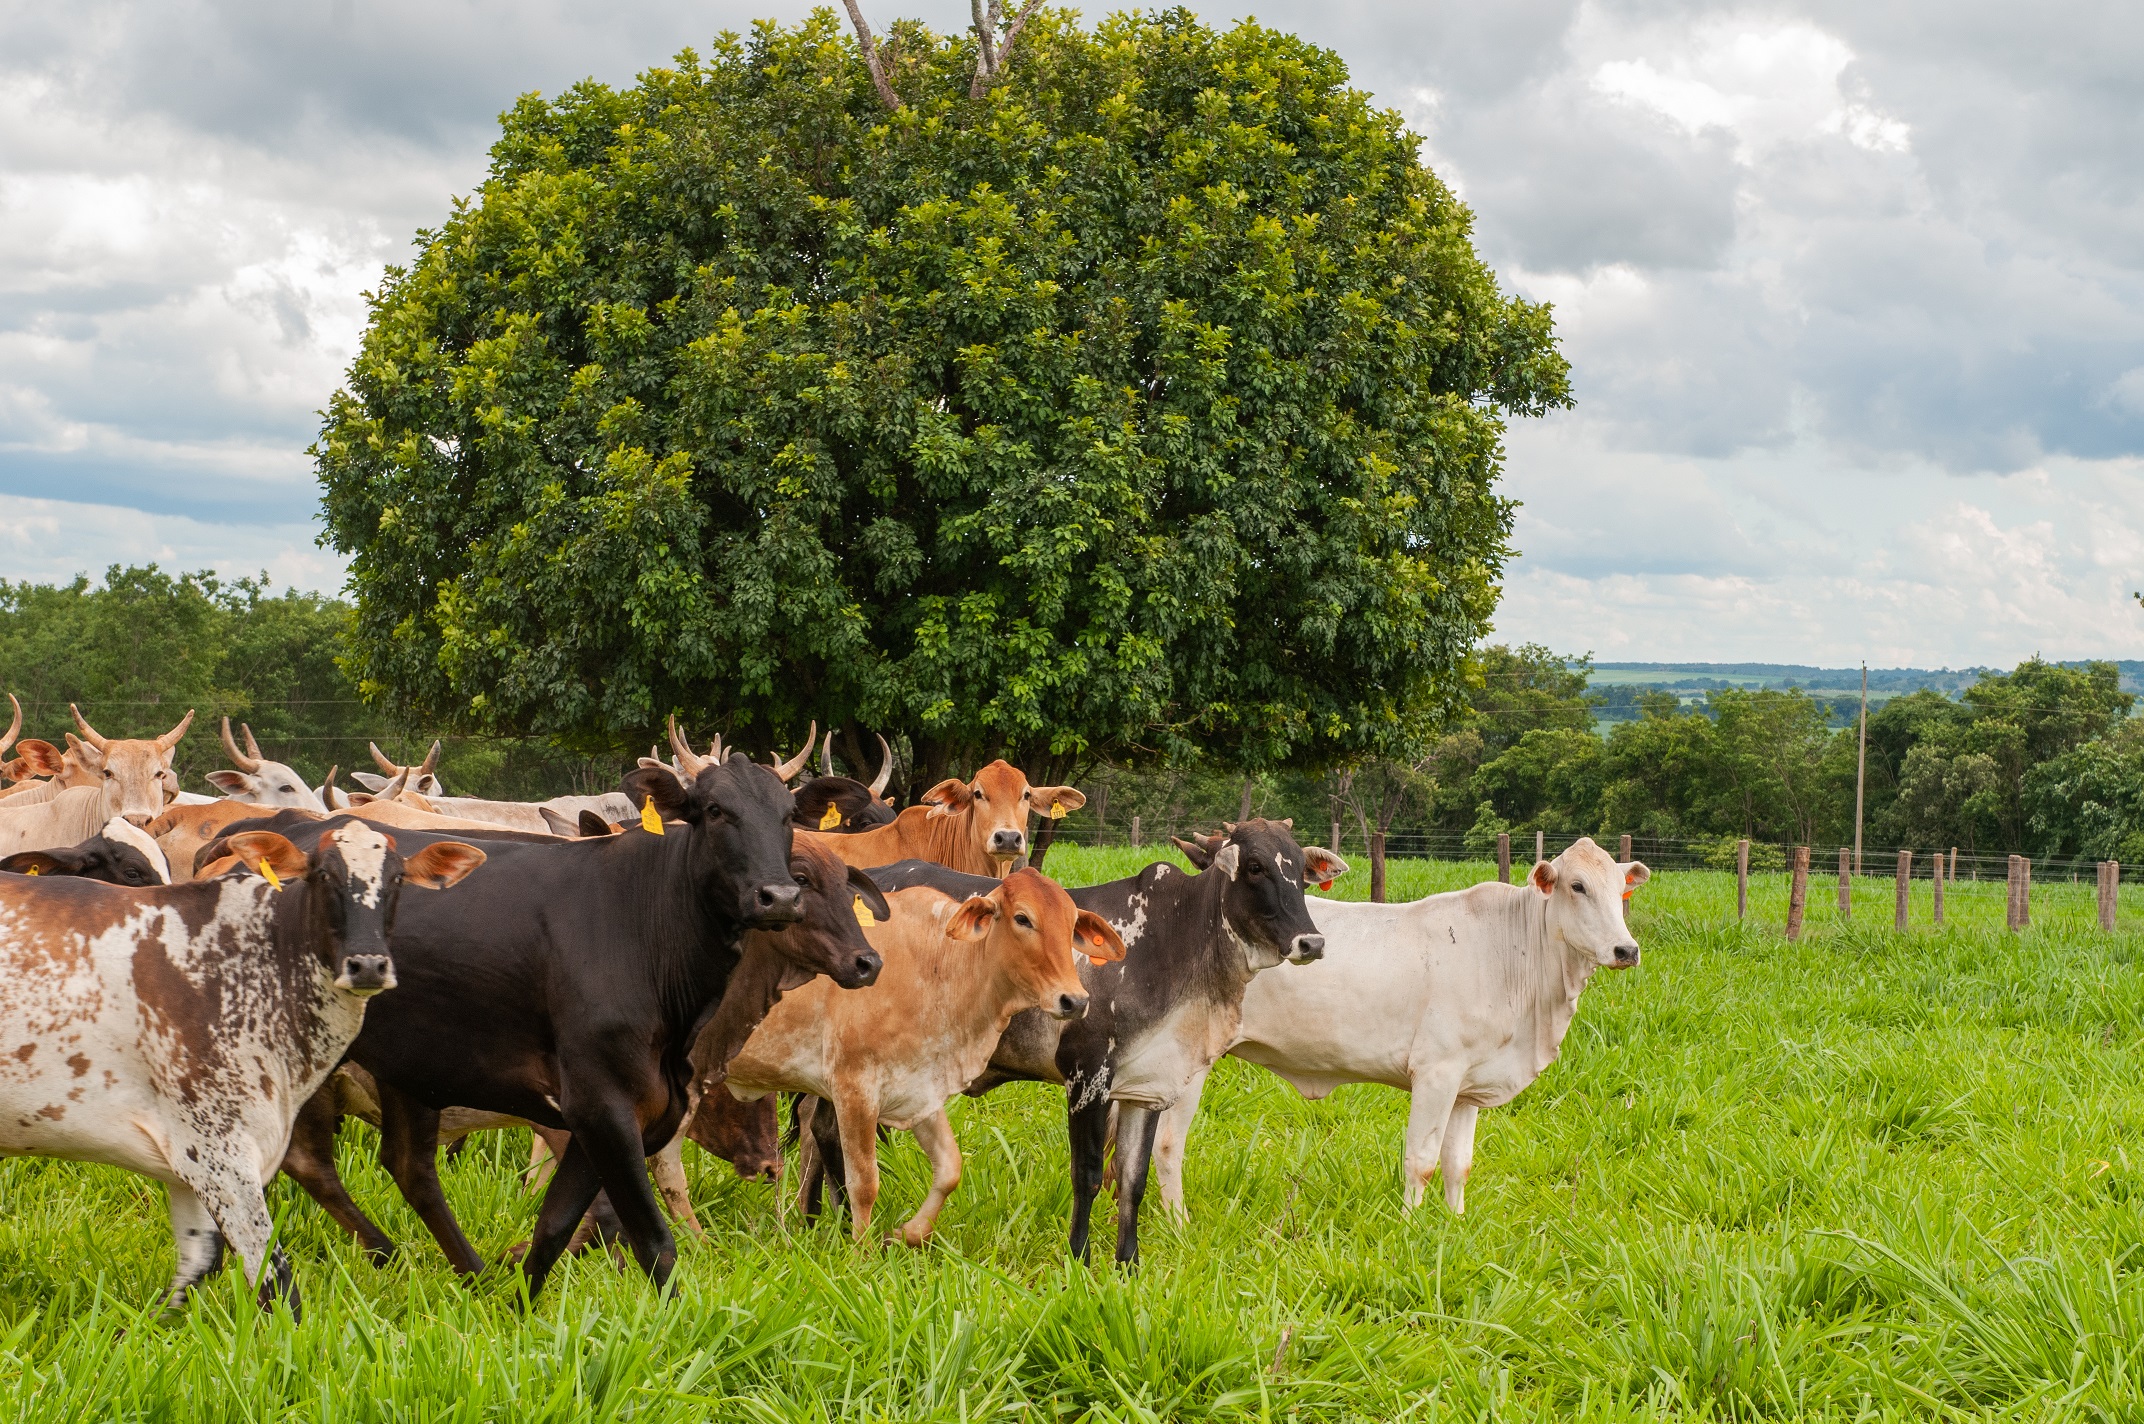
(1427, 1112)
(612, 1138)
(409, 1150)
(1135, 1149)
(200, 1244)
(1169, 1138)
(934, 1135)
(546, 1146)
(858, 1119)
(230, 1194)
(669, 1169)
(1459, 1155)
(573, 1188)
(821, 1164)
(310, 1162)
(1089, 1131)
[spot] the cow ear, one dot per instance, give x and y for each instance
(253, 848)
(1055, 801)
(370, 780)
(1226, 859)
(38, 758)
(1197, 854)
(1321, 867)
(1544, 876)
(228, 782)
(947, 796)
(592, 826)
(867, 891)
(1097, 938)
(441, 864)
(41, 862)
(83, 751)
(972, 920)
(1634, 875)
(644, 784)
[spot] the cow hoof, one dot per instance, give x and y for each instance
(914, 1235)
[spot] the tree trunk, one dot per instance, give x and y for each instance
(1377, 867)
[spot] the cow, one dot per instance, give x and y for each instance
(183, 832)
(259, 780)
(134, 775)
(404, 783)
(596, 959)
(121, 854)
(977, 826)
(1161, 1016)
(174, 1031)
(425, 782)
(1461, 1021)
(956, 973)
(838, 804)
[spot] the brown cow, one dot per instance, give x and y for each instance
(977, 826)
(894, 1052)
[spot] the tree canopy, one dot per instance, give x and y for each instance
(1149, 398)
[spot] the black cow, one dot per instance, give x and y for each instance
(114, 862)
(1170, 1007)
(568, 991)
(837, 804)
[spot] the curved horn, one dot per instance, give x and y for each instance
(393, 789)
(170, 739)
(431, 759)
(885, 768)
(379, 759)
(238, 758)
(14, 728)
(787, 769)
(89, 734)
(689, 760)
(253, 748)
(826, 754)
(716, 752)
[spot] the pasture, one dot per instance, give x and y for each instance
(1868, 1175)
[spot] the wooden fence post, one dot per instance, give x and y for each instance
(1377, 866)
(1333, 845)
(1954, 865)
(1540, 846)
(1905, 887)
(1622, 854)
(1798, 892)
(1939, 877)
(2110, 884)
(1135, 830)
(1741, 880)
(1846, 884)
(1503, 857)
(2010, 918)
(2024, 892)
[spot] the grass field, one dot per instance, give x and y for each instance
(1867, 1175)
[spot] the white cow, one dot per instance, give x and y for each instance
(1462, 999)
(406, 784)
(259, 780)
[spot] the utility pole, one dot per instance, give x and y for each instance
(1861, 766)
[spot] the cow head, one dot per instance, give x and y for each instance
(1586, 887)
(135, 774)
(260, 781)
(748, 1136)
(122, 854)
(1033, 928)
(1263, 905)
(738, 818)
(829, 939)
(348, 889)
(838, 804)
(418, 780)
(997, 802)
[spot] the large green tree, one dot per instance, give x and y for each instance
(1145, 398)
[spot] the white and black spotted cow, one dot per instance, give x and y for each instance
(1157, 1019)
(175, 1031)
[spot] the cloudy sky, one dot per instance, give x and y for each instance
(1854, 293)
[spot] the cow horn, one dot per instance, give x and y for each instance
(787, 769)
(688, 759)
(170, 739)
(431, 759)
(393, 790)
(826, 754)
(715, 753)
(885, 767)
(238, 758)
(14, 728)
(379, 759)
(253, 748)
(89, 734)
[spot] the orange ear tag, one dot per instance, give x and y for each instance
(1325, 885)
(831, 818)
(863, 912)
(275, 882)
(650, 821)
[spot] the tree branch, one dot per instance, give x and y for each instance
(871, 61)
(991, 52)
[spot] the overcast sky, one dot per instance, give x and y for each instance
(1853, 293)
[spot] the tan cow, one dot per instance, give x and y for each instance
(134, 774)
(977, 826)
(955, 973)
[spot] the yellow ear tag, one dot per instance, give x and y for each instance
(33, 870)
(863, 913)
(650, 822)
(1057, 809)
(275, 882)
(831, 819)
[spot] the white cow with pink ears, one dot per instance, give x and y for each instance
(1462, 999)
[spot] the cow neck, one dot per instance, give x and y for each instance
(691, 944)
(987, 1000)
(1556, 976)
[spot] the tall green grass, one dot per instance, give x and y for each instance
(1866, 1175)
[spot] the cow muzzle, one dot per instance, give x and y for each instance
(773, 905)
(863, 973)
(366, 973)
(1068, 1007)
(1004, 845)
(1305, 948)
(1626, 956)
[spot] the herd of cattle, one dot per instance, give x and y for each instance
(199, 990)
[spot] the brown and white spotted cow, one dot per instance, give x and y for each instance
(175, 1031)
